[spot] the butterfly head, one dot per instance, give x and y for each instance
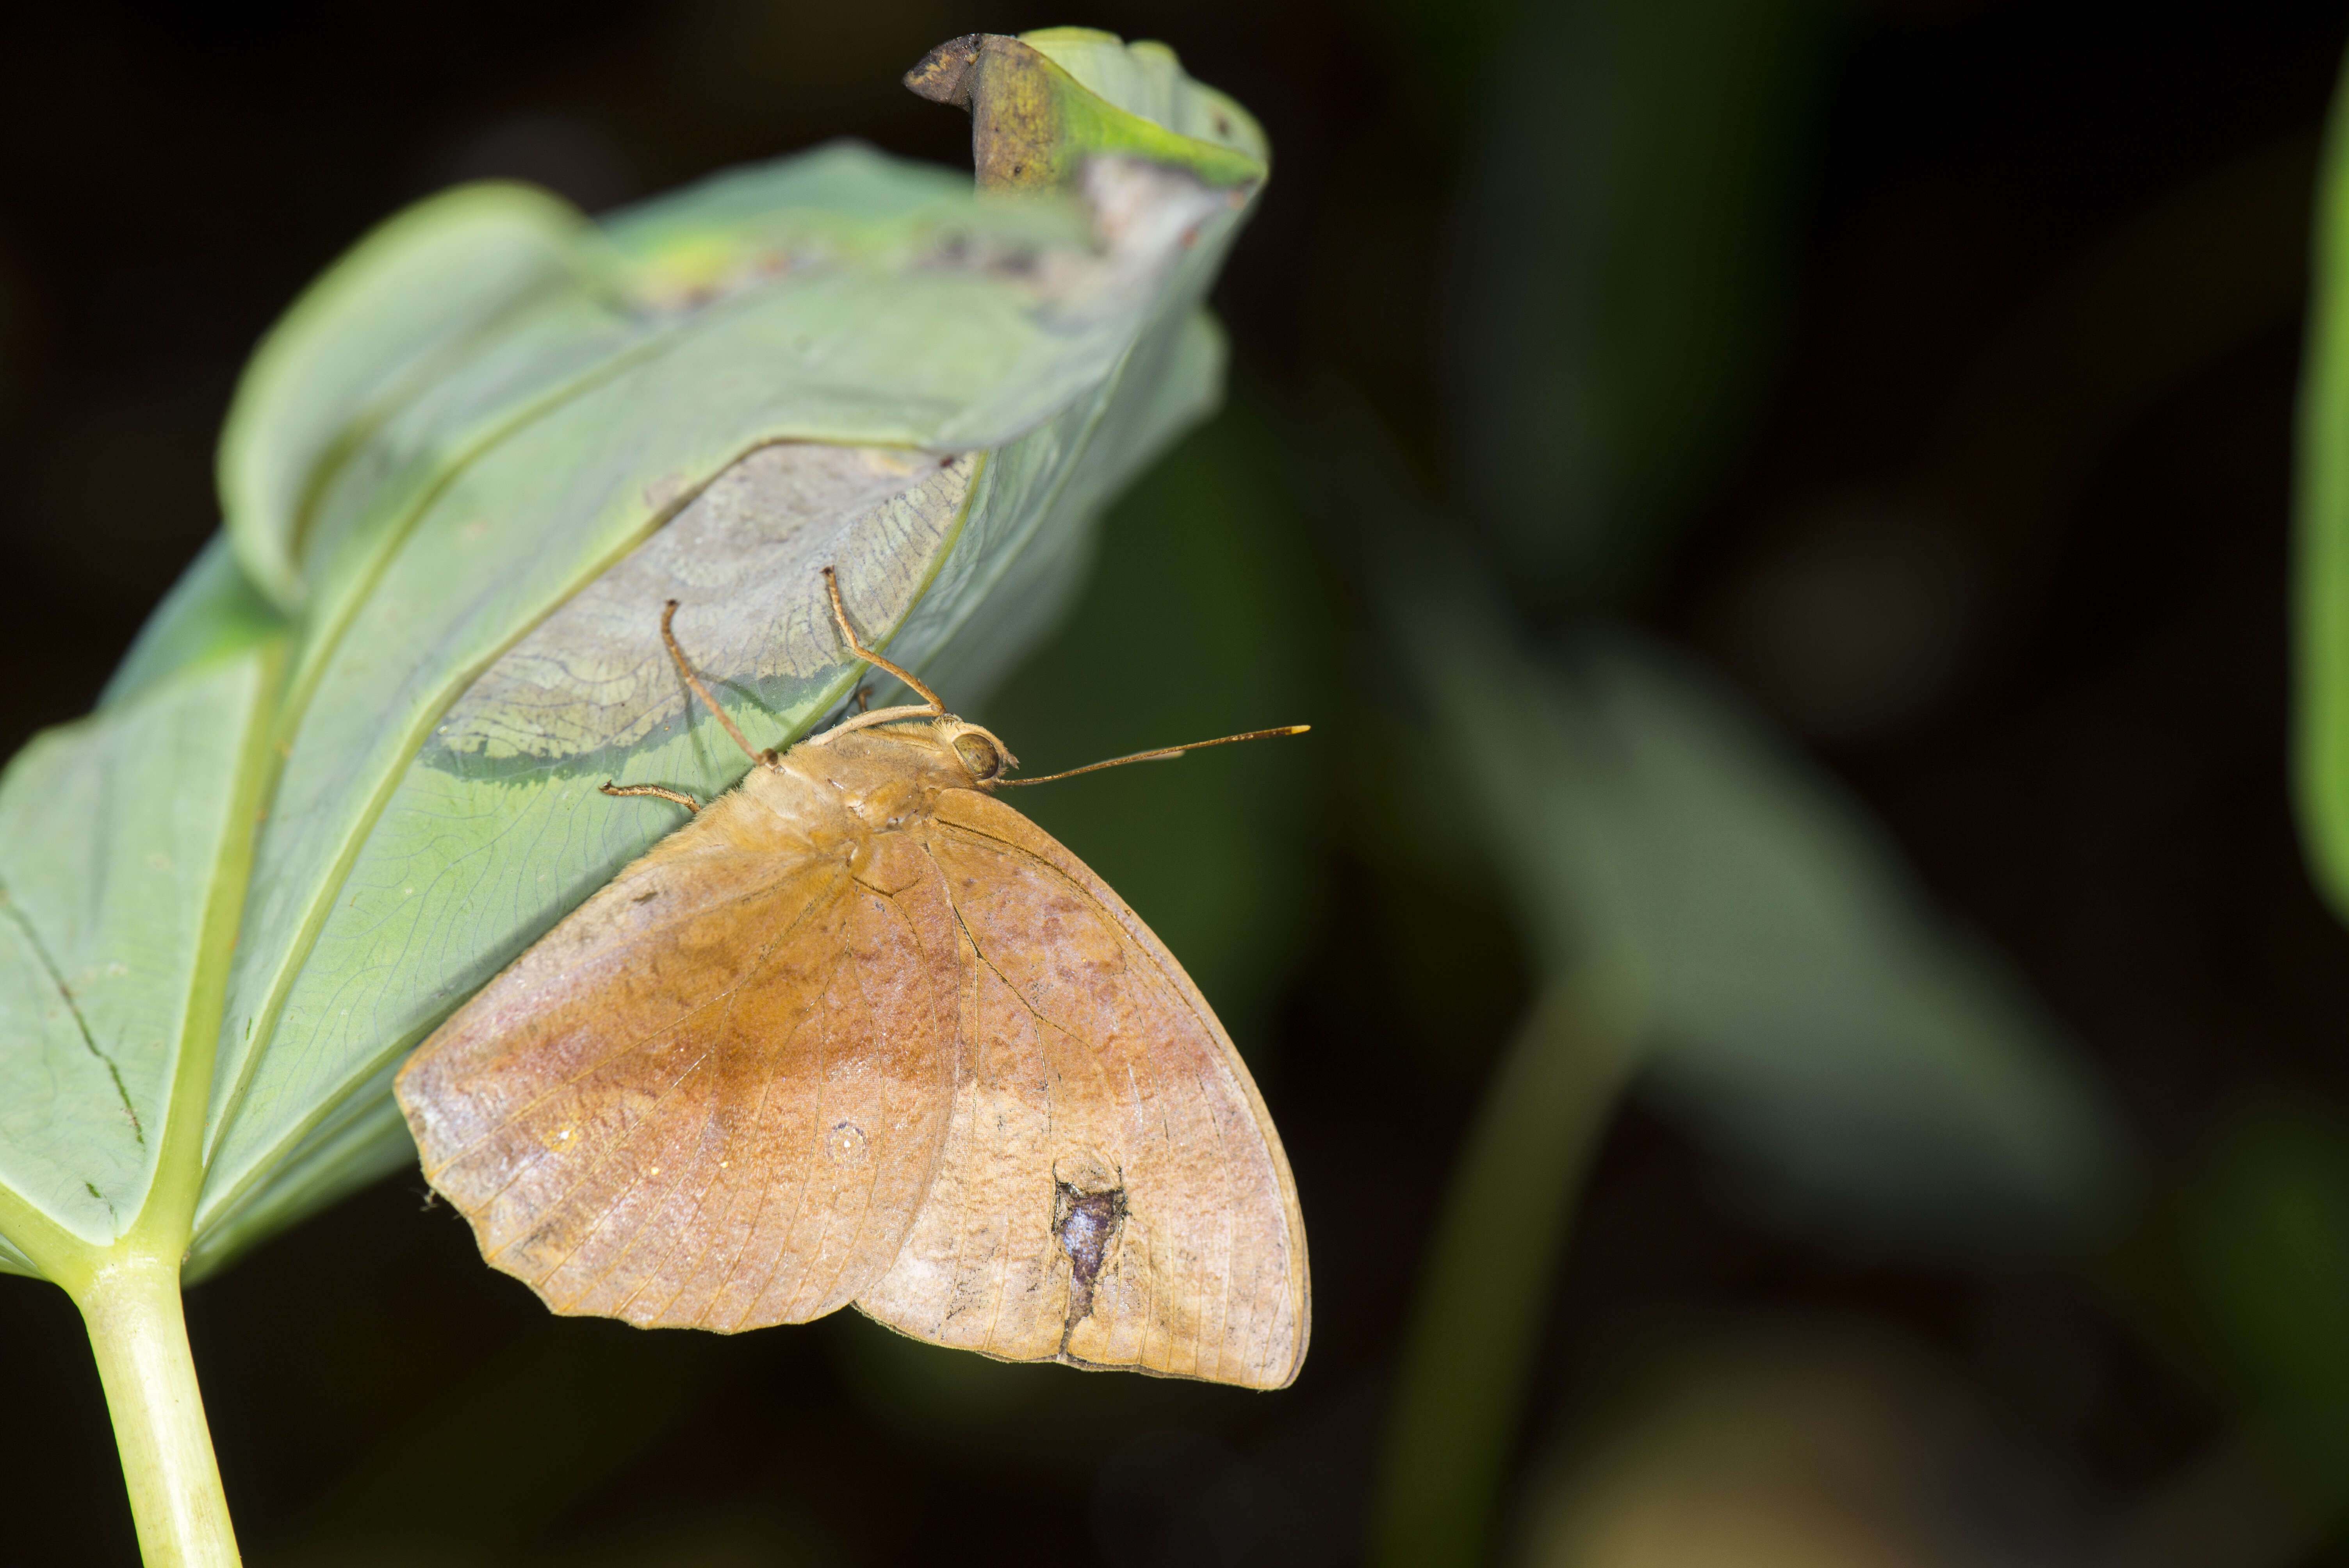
(982, 756)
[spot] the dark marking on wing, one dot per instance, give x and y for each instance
(1087, 1225)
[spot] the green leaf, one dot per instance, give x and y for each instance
(2321, 499)
(121, 867)
(1805, 1008)
(213, 611)
(472, 509)
(1145, 79)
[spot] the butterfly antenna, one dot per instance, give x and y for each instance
(1163, 754)
(676, 656)
(840, 614)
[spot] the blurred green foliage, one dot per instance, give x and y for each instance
(1714, 913)
(2265, 1238)
(1722, 918)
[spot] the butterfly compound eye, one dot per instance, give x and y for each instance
(980, 755)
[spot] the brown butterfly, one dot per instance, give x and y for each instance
(859, 1033)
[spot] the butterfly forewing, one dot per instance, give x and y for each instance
(711, 1098)
(1112, 1191)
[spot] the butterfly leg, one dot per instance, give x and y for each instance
(679, 796)
(848, 634)
(677, 657)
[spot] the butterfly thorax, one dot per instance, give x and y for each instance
(848, 786)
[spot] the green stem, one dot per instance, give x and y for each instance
(130, 1303)
(1461, 1390)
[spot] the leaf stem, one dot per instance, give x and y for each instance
(131, 1303)
(1462, 1387)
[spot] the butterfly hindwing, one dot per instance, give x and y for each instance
(1112, 1191)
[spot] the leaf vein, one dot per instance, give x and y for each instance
(56, 977)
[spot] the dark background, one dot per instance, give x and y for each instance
(2046, 293)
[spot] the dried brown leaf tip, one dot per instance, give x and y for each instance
(944, 75)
